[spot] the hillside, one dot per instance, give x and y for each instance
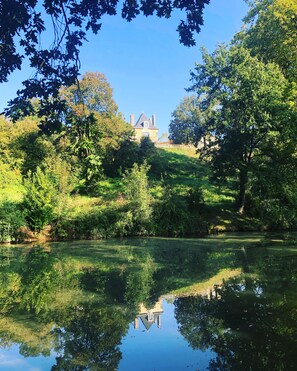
(183, 201)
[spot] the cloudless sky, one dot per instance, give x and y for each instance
(143, 60)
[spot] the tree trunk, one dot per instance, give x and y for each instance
(243, 178)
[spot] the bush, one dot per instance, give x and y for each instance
(195, 200)
(146, 149)
(171, 216)
(41, 198)
(136, 192)
(175, 215)
(11, 219)
(273, 202)
(97, 224)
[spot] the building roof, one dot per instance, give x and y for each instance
(148, 322)
(142, 119)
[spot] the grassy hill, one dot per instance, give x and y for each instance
(177, 167)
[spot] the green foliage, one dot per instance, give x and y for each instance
(41, 198)
(11, 219)
(195, 199)
(121, 159)
(171, 216)
(147, 150)
(139, 282)
(93, 225)
(97, 131)
(92, 94)
(250, 104)
(272, 194)
(186, 126)
(115, 143)
(271, 33)
(38, 279)
(136, 192)
(10, 183)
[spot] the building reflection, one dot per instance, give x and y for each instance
(149, 316)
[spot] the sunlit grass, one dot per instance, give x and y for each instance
(205, 287)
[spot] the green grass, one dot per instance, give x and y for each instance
(178, 167)
(183, 171)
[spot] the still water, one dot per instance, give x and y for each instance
(221, 303)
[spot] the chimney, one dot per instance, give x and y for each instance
(132, 119)
(136, 324)
(154, 120)
(159, 321)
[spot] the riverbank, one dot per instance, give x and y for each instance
(180, 200)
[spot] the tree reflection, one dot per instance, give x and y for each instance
(89, 338)
(80, 302)
(38, 279)
(250, 325)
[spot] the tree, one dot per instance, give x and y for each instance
(89, 337)
(186, 124)
(271, 33)
(252, 103)
(93, 93)
(57, 64)
(96, 128)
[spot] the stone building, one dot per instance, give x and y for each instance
(145, 127)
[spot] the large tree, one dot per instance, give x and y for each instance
(271, 33)
(95, 127)
(252, 104)
(93, 93)
(23, 22)
(186, 123)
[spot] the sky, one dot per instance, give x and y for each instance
(143, 60)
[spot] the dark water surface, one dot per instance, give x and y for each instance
(220, 303)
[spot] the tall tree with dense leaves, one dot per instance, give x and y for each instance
(95, 127)
(271, 33)
(186, 124)
(23, 22)
(252, 103)
(93, 93)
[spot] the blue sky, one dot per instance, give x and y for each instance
(143, 60)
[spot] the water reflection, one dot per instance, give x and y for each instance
(149, 316)
(89, 306)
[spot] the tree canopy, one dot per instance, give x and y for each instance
(251, 102)
(186, 122)
(22, 24)
(271, 33)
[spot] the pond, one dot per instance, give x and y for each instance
(221, 303)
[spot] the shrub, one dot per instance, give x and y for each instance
(11, 219)
(176, 215)
(195, 200)
(146, 149)
(136, 192)
(40, 199)
(171, 216)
